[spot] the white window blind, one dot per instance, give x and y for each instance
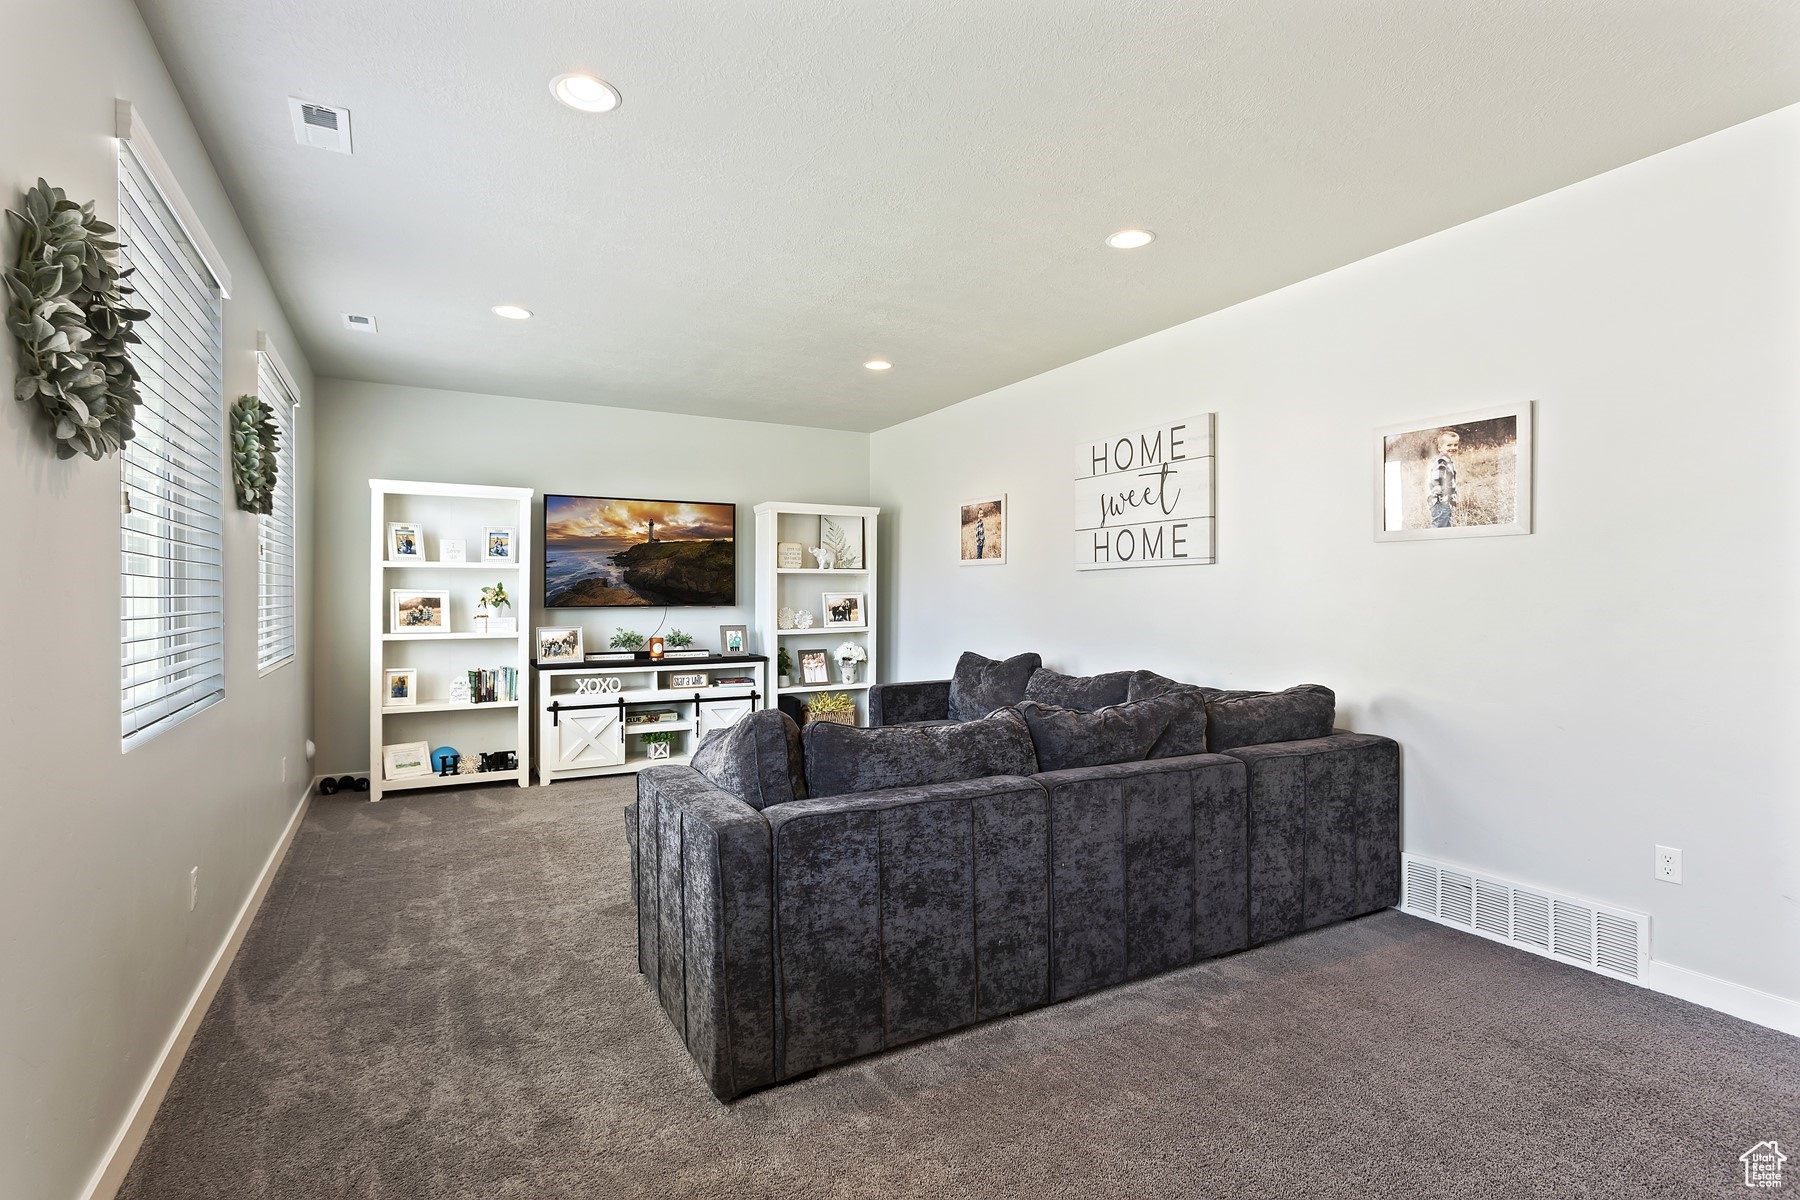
(275, 607)
(172, 595)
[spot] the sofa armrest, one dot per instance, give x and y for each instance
(909, 703)
(704, 893)
(1324, 831)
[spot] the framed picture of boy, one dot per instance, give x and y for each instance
(983, 532)
(1464, 475)
(402, 688)
(733, 639)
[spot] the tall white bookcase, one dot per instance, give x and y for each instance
(803, 589)
(458, 512)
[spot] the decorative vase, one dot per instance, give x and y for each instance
(846, 672)
(785, 680)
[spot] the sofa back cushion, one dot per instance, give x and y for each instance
(756, 758)
(1160, 727)
(980, 684)
(1084, 693)
(842, 760)
(1143, 685)
(1258, 718)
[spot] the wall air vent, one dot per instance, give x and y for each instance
(358, 322)
(1612, 941)
(320, 125)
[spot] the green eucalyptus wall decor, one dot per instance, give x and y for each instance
(254, 441)
(66, 303)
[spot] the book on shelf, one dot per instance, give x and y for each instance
(491, 685)
(734, 681)
(651, 716)
(687, 653)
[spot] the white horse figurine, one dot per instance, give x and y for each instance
(826, 559)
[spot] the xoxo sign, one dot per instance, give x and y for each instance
(1145, 498)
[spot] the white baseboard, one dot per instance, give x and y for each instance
(125, 1144)
(1733, 999)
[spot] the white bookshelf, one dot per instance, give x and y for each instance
(804, 588)
(462, 512)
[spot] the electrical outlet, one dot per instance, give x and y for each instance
(1668, 864)
(193, 888)
(284, 768)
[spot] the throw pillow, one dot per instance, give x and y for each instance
(1142, 685)
(1082, 692)
(756, 758)
(1236, 719)
(1159, 727)
(843, 759)
(980, 684)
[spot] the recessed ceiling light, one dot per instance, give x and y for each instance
(585, 93)
(879, 364)
(1130, 239)
(512, 312)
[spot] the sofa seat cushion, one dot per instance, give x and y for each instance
(842, 760)
(1084, 693)
(1297, 714)
(980, 685)
(1160, 727)
(756, 758)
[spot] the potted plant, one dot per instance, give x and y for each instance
(849, 656)
(677, 640)
(784, 666)
(625, 639)
(837, 707)
(492, 600)
(660, 744)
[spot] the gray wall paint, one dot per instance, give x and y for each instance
(1623, 677)
(99, 955)
(368, 430)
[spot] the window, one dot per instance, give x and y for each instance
(275, 613)
(172, 594)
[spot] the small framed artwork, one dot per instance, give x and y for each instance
(690, 681)
(402, 688)
(983, 524)
(499, 546)
(452, 550)
(844, 608)
(814, 667)
(790, 556)
(406, 760)
(843, 536)
(733, 639)
(560, 644)
(405, 541)
(1464, 475)
(416, 611)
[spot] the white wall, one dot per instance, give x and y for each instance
(371, 430)
(99, 955)
(1624, 676)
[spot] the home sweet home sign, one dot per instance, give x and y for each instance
(1145, 498)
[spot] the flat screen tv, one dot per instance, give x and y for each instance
(602, 552)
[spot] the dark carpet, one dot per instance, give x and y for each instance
(439, 999)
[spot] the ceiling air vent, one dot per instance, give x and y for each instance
(358, 322)
(320, 125)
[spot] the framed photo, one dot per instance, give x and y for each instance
(452, 550)
(405, 541)
(407, 760)
(499, 546)
(790, 555)
(844, 608)
(1465, 475)
(983, 524)
(559, 644)
(416, 611)
(814, 667)
(733, 639)
(690, 681)
(402, 688)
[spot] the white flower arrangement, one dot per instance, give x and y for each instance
(850, 652)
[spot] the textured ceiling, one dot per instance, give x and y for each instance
(793, 186)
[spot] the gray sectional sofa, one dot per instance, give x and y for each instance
(803, 901)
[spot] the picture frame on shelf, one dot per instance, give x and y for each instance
(843, 536)
(1464, 475)
(497, 546)
(452, 550)
(459, 688)
(690, 681)
(733, 639)
(419, 610)
(406, 760)
(405, 542)
(982, 531)
(401, 689)
(844, 608)
(559, 644)
(815, 667)
(790, 556)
